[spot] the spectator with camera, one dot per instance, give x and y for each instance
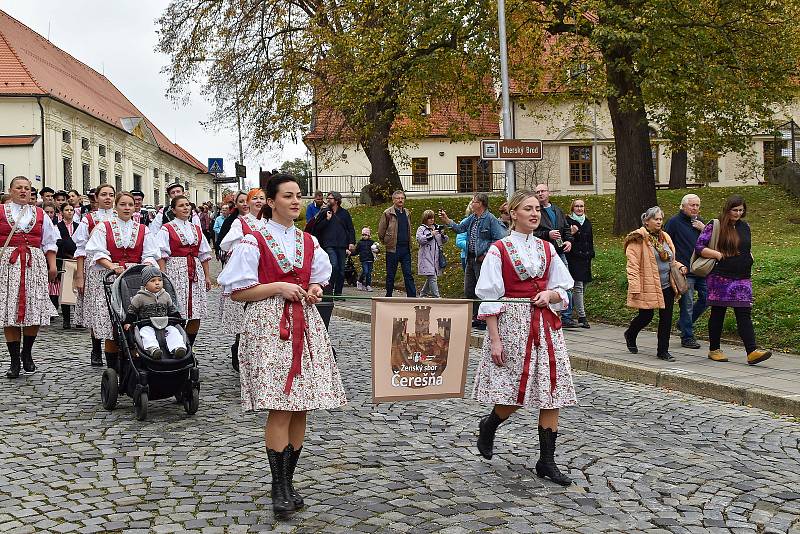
(430, 259)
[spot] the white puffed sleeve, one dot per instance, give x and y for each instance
(155, 225)
(320, 265)
(162, 239)
(151, 251)
(196, 219)
(490, 284)
(81, 238)
(50, 235)
(96, 247)
(233, 236)
(241, 270)
(559, 280)
(205, 249)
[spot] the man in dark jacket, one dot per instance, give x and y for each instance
(684, 229)
(554, 229)
(334, 230)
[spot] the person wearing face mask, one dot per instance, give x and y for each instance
(27, 262)
(650, 255)
(730, 282)
(185, 253)
(104, 198)
(524, 361)
(579, 258)
(114, 245)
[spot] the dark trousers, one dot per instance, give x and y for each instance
(337, 257)
(471, 274)
(744, 324)
(664, 321)
(402, 256)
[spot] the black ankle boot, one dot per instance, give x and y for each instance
(13, 350)
(282, 506)
(65, 314)
(546, 466)
(630, 342)
(235, 354)
(583, 322)
(295, 497)
(97, 353)
(487, 427)
(26, 354)
(112, 360)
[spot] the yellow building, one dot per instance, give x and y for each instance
(66, 126)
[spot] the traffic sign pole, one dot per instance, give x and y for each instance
(507, 131)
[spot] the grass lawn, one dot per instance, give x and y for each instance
(773, 214)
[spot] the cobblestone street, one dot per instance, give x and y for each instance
(644, 459)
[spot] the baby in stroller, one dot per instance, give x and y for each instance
(153, 301)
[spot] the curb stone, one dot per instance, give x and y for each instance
(675, 380)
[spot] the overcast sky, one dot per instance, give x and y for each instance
(118, 38)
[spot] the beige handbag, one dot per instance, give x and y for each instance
(700, 266)
(678, 278)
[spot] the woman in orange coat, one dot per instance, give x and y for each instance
(651, 254)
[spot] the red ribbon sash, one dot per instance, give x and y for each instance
(293, 311)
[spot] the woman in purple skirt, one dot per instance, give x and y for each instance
(729, 283)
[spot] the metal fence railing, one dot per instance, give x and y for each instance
(351, 185)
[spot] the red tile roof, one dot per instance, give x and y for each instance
(32, 65)
(18, 140)
(445, 116)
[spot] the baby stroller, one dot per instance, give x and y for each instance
(135, 374)
(350, 272)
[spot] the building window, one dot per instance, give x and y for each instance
(66, 136)
(473, 174)
(67, 173)
(87, 180)
(101, 150)
(155, 195)
(118, 182)
(118, 157)
(166, 178)
(425, 108)
(103, 176)
(419, 171)
(580, 165)
(155, 173)
(775, 155)
(186, 187)
(137, 181)
(84, 143)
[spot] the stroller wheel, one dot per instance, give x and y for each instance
(109, 389)
(192, 402)
(141, 406)
(179, 397)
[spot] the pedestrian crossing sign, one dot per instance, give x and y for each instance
(215, 166)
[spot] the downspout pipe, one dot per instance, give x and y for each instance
(41, 120)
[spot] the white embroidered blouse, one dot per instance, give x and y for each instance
(24, 216)
(126, 238)
(187, 232)
(81, 235)
(235, 234)
(530, 251)
(241, 271)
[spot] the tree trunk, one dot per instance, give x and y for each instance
(384, 178)
(677, 169)
(635, 189)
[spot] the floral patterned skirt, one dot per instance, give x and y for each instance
(231, 315)
(177, 273)
(265, 359)
(724, 291)
(38, 307)
(95, 308)
(77, 313)
(500, 385)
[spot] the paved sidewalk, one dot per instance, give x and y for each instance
(772, 385)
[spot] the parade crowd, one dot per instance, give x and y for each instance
(527, 271)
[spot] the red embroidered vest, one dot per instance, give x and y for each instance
(515, 287)
(21, 239)
(125, 256)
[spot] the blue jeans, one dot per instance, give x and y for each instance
(401, 255)
(690, 310)
(337, 257)
(366, 273)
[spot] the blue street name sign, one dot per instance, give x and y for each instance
(215, 166)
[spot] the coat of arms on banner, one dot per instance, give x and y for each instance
(420, 348)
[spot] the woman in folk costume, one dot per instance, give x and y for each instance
(115, 245)
(248, 221)
(66, 251)
(287, 363)
(27, 263)
(104, 196)
(524, 362)
(184, 257)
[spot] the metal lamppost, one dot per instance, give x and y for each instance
(507, 128)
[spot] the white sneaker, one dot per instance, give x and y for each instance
(359, 286)
(369, 288)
